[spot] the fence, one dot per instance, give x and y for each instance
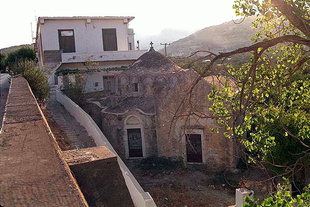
(138, 195)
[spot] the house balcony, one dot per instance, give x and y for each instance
(102, 56)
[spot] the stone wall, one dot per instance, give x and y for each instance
(99, 177)
(113, 126)
(51, 56)
(175, 118)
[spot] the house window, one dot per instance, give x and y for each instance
(130, 46)
(96, 84)
(109, 84)
(66, 40)
(109, 39)
(135, 87)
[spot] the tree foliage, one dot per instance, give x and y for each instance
(2, 62)
(35, 77)
(282, 198)
(24, 53)
(266, 108)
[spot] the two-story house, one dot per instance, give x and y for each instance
(94, 44)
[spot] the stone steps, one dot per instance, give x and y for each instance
(77, 135)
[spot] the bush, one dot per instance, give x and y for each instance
(21, 66)
(22, 54)
(35, 77)
(2, 62)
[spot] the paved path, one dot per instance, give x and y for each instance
(77, 135)
(4, 89)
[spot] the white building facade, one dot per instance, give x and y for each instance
(70, 42)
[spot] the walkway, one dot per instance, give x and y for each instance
(77, 135)
(32, 171)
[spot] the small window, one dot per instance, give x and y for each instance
(96, 84)
(130, 46)
(136, 87)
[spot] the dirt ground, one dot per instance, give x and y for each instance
(188, 187)
(195, 186)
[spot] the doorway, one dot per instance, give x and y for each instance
(193, 148)
(134, 142)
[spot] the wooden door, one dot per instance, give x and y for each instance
(66, 40)
(193, 148)
(109, 39)
(135, 142)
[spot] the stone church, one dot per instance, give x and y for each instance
(147, 111)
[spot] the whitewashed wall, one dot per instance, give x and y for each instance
(88, 36)
(139, 196)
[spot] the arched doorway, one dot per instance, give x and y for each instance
(134, 140)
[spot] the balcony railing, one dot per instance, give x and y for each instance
(103, 56)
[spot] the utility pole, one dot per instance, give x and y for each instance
(165, 44)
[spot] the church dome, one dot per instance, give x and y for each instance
(153, 62)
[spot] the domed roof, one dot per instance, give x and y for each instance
(153, 61)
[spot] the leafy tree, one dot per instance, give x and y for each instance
(2, 62)
(264, 103)
(282, 198)
(24, 53)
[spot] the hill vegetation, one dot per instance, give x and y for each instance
(224, 37)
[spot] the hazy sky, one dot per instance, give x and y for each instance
(151, 17)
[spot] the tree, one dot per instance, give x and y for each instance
(24, 53)
(2, 62)
(267, 107)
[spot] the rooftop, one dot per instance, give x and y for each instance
(129, 18)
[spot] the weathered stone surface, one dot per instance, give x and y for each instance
(32, 171)
(99, 177)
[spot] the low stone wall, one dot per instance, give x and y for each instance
(138, 195)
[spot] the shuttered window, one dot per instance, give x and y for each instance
(66, 40)
(109, 39)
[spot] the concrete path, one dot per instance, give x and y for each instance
(77, 135)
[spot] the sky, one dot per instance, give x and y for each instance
(151, 17)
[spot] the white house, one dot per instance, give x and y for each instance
(74, 42)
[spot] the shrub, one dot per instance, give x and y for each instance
(2, 62)
(35, 77)
(21, 66)
(22, 54)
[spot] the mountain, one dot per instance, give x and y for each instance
(12, 48)
(224, 37)
(165, 36)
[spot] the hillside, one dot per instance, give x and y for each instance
(12, 48)
(223, 37)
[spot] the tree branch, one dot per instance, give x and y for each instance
(288, 11)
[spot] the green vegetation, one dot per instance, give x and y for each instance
(75, 90)
(282, 198)
(35, 77)
(264, 102)
(2, 62)
(24, 53)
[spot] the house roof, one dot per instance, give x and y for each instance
(129, 18)
(153, 62)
